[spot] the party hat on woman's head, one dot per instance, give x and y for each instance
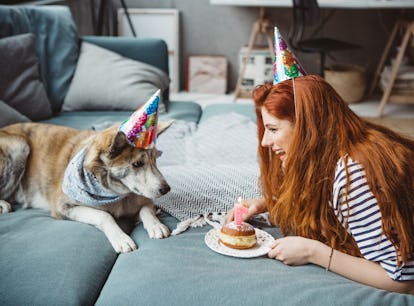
(285, 66)
(141, 128)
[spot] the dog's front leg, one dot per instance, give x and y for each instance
(120, 241)
(152, 224)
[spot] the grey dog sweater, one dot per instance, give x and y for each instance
(82, 186)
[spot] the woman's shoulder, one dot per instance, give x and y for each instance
(350, 180)
(347, 162)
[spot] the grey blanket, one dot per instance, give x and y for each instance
(208, 168)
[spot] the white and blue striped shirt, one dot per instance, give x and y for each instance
(365, 221)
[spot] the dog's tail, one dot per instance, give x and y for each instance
(14, 151)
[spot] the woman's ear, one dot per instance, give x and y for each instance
(163, 126)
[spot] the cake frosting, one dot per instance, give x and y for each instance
(236, 236)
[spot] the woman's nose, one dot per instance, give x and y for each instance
(266, 141)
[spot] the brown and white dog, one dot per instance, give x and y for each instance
(35, 156)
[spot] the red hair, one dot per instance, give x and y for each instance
(326, 130)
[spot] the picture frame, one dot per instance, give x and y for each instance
(156, 23)
(207, 74)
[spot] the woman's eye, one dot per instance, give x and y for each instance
(272, 130)
(138, 164)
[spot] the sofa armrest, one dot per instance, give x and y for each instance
(151, 51)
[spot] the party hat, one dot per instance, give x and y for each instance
(141, 128)
(285, 66)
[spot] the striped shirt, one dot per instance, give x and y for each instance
(364, 220)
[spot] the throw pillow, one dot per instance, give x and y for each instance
(105, 80)
(57, 46)
(9, 115)
(20, 85)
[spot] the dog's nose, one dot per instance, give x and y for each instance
(165, 188)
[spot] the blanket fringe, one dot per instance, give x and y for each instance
(214, 219)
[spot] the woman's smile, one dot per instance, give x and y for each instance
(280, 152)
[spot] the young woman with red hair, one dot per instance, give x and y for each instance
(340, 188)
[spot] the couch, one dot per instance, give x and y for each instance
(44, 261)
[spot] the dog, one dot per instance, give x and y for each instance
(35, 158)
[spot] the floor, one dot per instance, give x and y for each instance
(366, 108)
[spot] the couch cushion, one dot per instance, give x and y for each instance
(153, 51)
(87, 120)
(219, 109)
(105, 80)
(8, 115)
(56, 43)
(182, 270)
(51, 262)
(20, 85)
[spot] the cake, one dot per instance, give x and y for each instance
(235, 236)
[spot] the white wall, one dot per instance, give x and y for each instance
(222, 30)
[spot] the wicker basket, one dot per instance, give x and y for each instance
(348, 80)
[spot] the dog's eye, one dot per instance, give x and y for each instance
(138, 164)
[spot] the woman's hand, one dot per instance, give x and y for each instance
(255, 206)
(293, 250)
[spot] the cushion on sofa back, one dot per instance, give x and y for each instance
(8, 115)
(141, 49)
(56, 43)
(152, 51)
(20, 85)
(105, 80)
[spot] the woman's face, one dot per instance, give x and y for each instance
(277, 135)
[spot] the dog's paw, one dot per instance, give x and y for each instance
(122, 243)
(158, 231)
(5, 207)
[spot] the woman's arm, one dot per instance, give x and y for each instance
(295, 250)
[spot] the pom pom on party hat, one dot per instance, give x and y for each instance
(285, 66)
(141, 128)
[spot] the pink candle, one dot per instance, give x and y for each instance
(239, 210)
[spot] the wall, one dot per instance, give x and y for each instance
(222, 30)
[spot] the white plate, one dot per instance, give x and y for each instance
(261, 247)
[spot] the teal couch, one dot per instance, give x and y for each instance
(44, 261)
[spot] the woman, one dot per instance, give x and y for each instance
(341, 188)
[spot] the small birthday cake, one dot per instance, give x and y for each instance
(238, 236)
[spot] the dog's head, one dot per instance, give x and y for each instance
(125, 169)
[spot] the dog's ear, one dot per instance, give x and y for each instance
(163, 126)
(118, 144)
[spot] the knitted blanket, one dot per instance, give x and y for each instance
(208, 167)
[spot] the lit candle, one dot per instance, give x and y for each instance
(239, 210)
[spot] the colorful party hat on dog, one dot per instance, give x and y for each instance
(141, 128)
(285, 66)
